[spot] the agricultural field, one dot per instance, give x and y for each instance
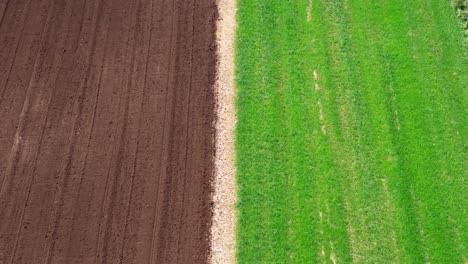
(351, 132)
(233, 131)
(106, 135)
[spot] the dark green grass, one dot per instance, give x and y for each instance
(371, 167)
(461, 9)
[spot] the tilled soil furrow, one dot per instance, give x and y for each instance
(106, 137)
(15, 85)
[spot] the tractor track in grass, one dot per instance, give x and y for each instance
(106, 136)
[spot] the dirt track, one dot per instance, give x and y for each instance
(106, 130)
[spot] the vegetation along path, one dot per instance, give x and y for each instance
(351, 132)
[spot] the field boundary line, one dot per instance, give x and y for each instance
(223, 228)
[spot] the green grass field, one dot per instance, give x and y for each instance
(352, 131)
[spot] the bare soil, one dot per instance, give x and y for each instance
(223, 229)
(106, 130)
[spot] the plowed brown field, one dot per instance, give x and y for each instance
(106, 130)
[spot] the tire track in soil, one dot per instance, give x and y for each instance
(106, 136)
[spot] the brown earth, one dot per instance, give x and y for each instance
(106, 130)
